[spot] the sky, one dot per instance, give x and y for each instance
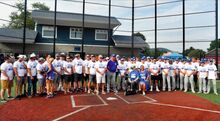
(196, 34)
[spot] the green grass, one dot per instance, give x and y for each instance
(211, 97)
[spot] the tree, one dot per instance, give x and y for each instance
(197, 53)
(17, 17)
(187, 51)
(213, 45)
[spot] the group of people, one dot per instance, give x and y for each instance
(38, 76)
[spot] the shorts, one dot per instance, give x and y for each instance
(92, 78)
(21, 82)
(86, 78)
(41, 82)
(62, 77)
(100, 79)
(11, 84)
(4, 84)
(143, 82)
(57, 79)
(154, 78)
(67, 78)
(78, 77)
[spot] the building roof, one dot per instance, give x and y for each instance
(126, 41)
(8, 35)
(213, 52)
(73, 19)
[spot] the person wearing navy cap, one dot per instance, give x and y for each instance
(111, 73)
(190, 69)
(165, 71)
(212, 76)
(202, 74)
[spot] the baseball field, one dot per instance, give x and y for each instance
(163, 106)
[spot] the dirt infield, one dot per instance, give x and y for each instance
(164, 106)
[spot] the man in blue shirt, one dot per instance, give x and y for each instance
(111, 73)
(133, 78)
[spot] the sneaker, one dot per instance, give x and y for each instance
(3, 100)
(108, 91)
(89, 91)
(48, 96)
(103, 92)
(116, 91)
(169, 90)
(193, 92)
(97, 92)
(18, 97)
(10, 98)
(199, 92)
(157, 90)
(151, 89)
(185, 90)
(216, 93)
(29, 96)
(144, 93)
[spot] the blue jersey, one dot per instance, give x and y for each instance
(143, 75)
(133, 75)
(112, 66)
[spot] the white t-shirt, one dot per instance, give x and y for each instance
(211, 71)
(78, 65)
(68, 66)
(147, 64)
(154, 68)
(32, 65)
(92, 69)
(202, 71)
(165, 67)
(130, 65)
(189, 69)
(40, 67)
(182, 68)
(62, 62)
(20, 68)
(172, 70)
(196, 65)
(122, 68)
(101, 66)
(57, 64)
(8, 68)
(86, 64)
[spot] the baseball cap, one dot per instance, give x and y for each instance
(77, 55)
(143, 58)
(57, 55)
(113, 55)
(32, 55)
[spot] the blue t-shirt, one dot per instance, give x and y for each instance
(112, 66)
(143, 75)
(133, 75)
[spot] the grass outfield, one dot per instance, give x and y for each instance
(211, 97)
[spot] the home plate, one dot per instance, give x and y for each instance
(111, 98)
